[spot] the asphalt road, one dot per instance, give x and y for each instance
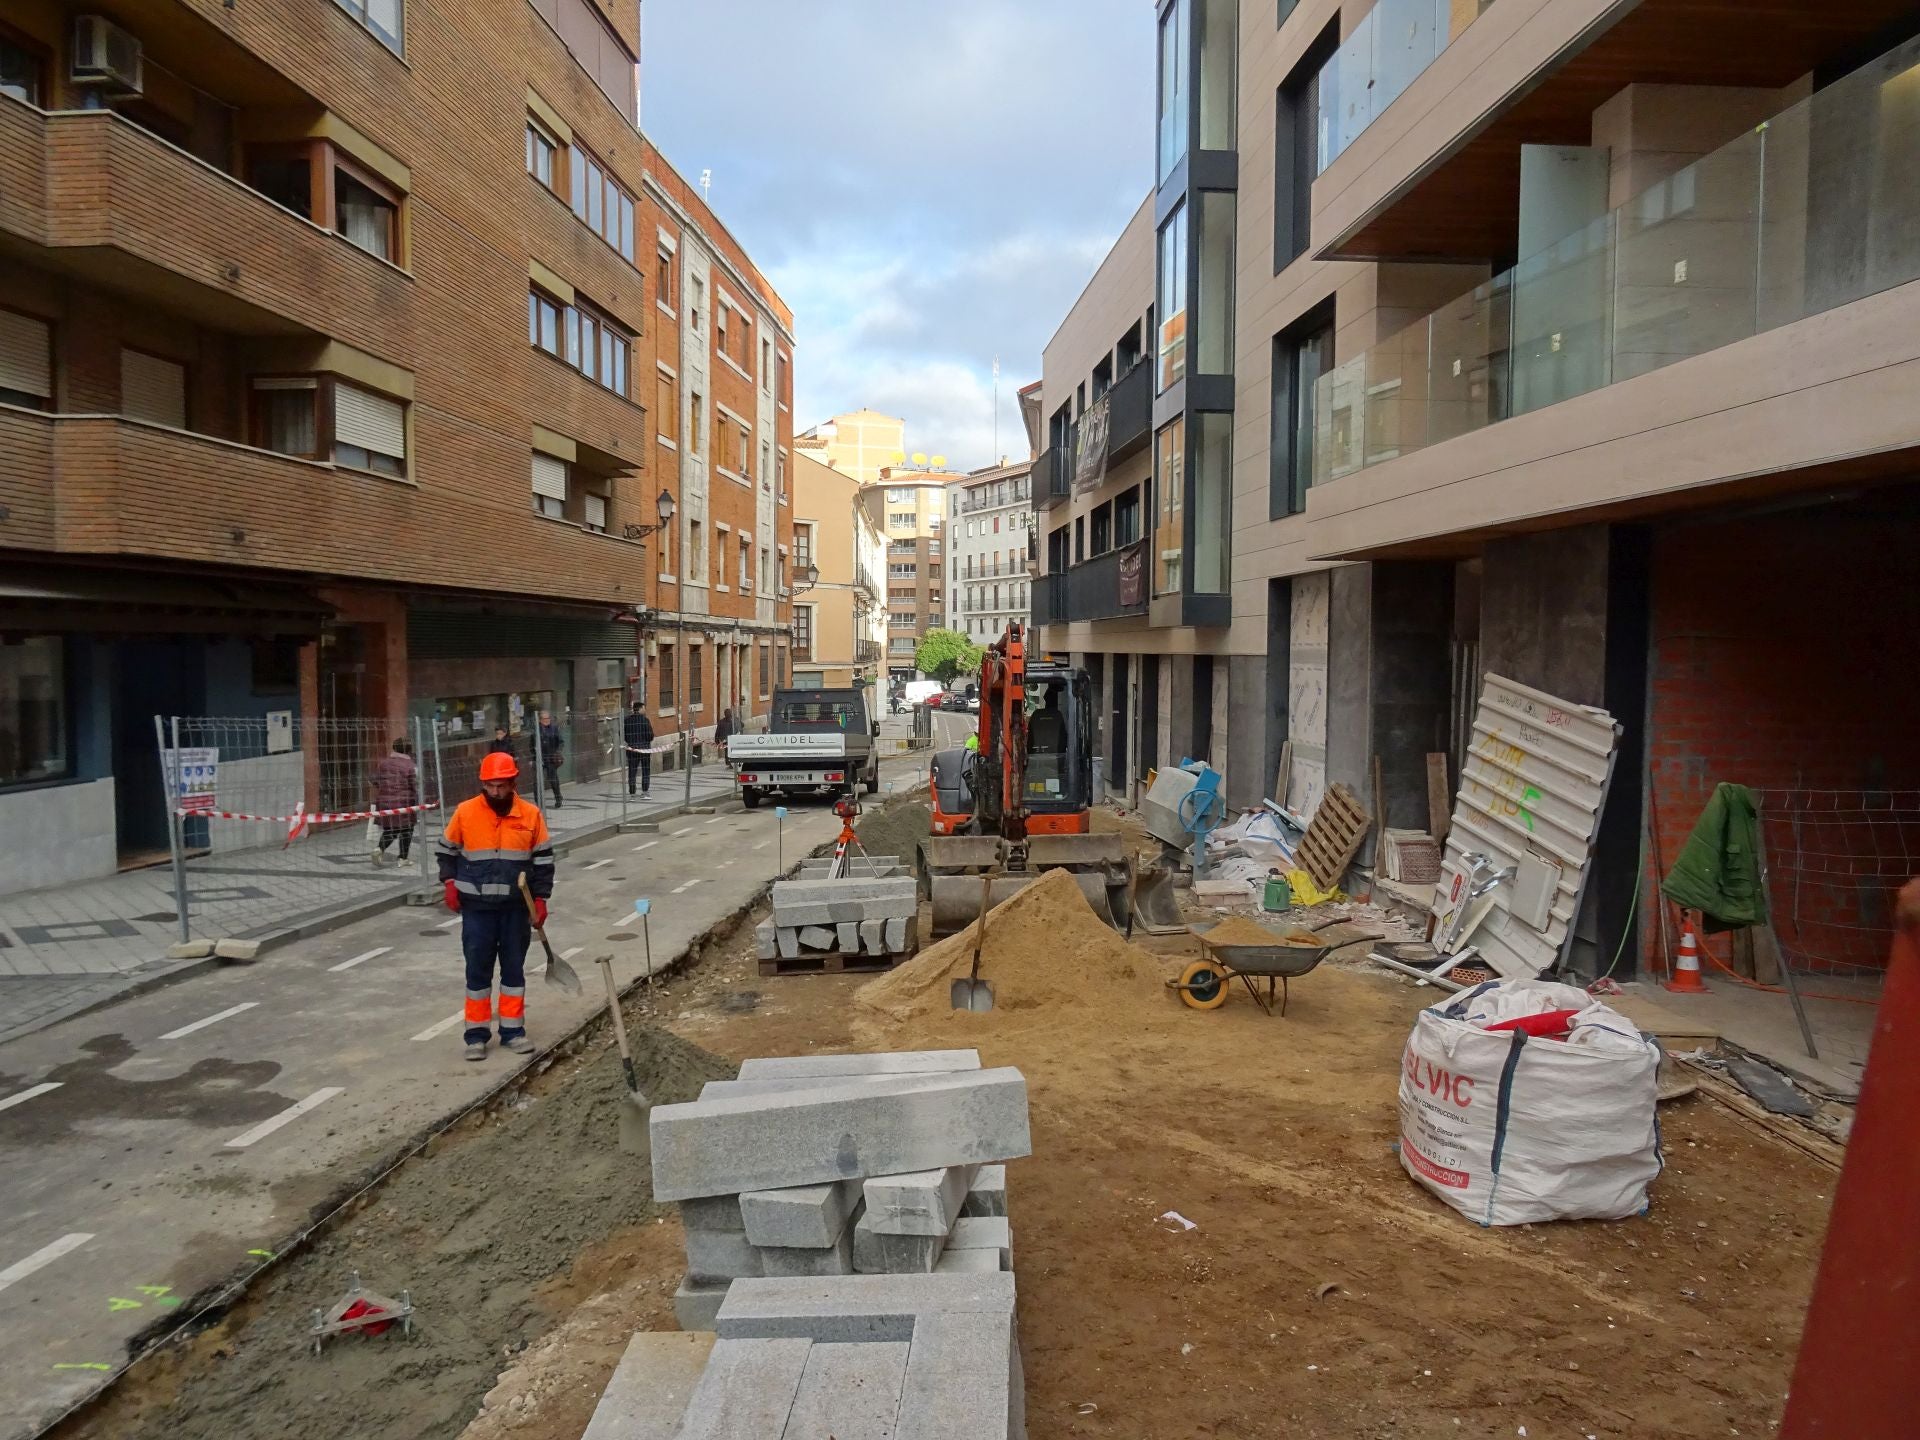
(150, 1148)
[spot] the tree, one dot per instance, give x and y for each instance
(946, 655)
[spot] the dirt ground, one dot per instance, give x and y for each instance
(1320, 1292)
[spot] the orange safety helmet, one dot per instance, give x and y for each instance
(498, 766)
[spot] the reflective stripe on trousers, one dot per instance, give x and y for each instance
(480, 1007)
(513, 1006)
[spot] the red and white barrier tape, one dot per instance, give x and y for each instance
(300, 821)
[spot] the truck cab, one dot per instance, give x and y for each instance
(818, 742)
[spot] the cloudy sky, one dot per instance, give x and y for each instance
(929, 182)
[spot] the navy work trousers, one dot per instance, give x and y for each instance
(489, 938)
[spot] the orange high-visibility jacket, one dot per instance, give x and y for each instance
(485, 853)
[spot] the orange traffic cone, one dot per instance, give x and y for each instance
(1686, 965)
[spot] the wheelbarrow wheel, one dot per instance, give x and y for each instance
(1203, 985)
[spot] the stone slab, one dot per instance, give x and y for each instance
(849, 1392)
(961, 1379)
(810, 1217)
(721, 1255)
(696, 1305)
(712, 1212)
(873, 936)
(720, 1089)
(968, 1262)
(903, 934)
(921, 1202)
(806, 1137)
(849, 937)
(779, 1262)
(190, 950)
(857, 1307)
(787, 938)
(747, 1391)
(237, 949)
(765, 946)
(872, 1062)
(816, 937)
(989, 1193)
(651, 1386)
(985, 1232)
(876, 1252)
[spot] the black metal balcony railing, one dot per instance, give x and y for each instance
(1053, 475)
(1048, 600)
(1130, 414)
(1097, 589)
(866, 652)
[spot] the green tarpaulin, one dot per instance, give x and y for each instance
(1718, 870)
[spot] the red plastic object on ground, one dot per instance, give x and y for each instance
(1547, 1025)
(1854, 1379)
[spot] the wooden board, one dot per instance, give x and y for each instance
(1333, 838)
(834, 964)
(1284, 780)
(1439, 798)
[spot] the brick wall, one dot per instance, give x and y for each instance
(1780, 660)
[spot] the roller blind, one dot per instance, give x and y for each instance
(153, 389)
(596, 508)
(26, 355)
(549, 477)
(370, 421)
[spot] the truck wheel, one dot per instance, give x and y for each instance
(873, 781)
(750, 797)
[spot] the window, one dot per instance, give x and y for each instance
(549, 486)
(1170, 498)
(1213, 310)
(33, 711)
(780, 470)
(803, 632)
(746, 451)
(900, 495)
(746, 564)
(766, 569)
(366, 214)
(582, 337)
(696, 556)
(766, 666)
(667, 423)
(696, 674)
(900, 518)
(1296, 152)
(543, 322)
(1218, 25)
(802, 544)
(1301, 356)
(369, 430)
(382, 17)
(593, 513)
(1173, 298)
(663, 278)
(1173, 87)
(19, 74)
(1211, 438)
(1126, 517)
(152, 388)
(699, 302)
(543, 155)
(284, 177)
(26, 361)
(766, 365)
(666, 677)
(286, 415)
(1102, 537)
(697, 423)
(602, 205)
(720, 326)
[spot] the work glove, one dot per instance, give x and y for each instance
(453, 895)
(539, 912)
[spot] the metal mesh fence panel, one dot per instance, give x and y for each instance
(1836, 859)
(273, 819)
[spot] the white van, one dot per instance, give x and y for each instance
(919, 690)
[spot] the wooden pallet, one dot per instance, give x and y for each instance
(834, 964)
(1333, 837)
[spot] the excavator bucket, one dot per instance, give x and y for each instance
(954, 864)
(1156, 909)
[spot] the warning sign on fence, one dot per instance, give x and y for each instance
(198, 770)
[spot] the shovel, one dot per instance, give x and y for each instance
(633, 1114)
(558, 971)
(973, 993)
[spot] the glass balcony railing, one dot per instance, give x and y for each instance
(1813, 209)
(1390, 47)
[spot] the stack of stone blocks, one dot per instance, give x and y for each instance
(871, 913)
(848, 1242)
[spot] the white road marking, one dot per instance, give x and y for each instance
(28, 1094)
(678, 833)
(440, 1027)
(292, 1112)
(448, 924)
(725, 863)
(359, 959)
(569, 954)
(648, 846)
(226, 1014)
(596, 864)
(682, 889)
(716, 819)
(763, 845)
(42, 1257)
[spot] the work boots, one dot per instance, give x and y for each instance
(519, 1044)
(476, 1050)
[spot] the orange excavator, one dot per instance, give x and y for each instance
(1022, 802)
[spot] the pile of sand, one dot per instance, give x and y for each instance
(1045, 948)
(1238, 930)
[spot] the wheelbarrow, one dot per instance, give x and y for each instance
(1203, 984)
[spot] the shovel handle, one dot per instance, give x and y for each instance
(619, 1021)
(980, 934)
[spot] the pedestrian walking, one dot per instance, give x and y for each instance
(639, 739)
(552, 753)
(396, 786)
(502, 742)
(493, 839)
(722, 730)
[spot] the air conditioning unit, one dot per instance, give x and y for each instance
(104, 54)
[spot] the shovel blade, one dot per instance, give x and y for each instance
(560, 973)
(633, 1124)
(975, 995)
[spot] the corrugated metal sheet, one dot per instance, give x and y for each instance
(1534, 782)
(450, 635)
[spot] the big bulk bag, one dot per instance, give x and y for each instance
(1523, 1100)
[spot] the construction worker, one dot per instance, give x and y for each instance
(493, 840)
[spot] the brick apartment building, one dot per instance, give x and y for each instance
(272, 436)
(1567, 340)
(909, 504)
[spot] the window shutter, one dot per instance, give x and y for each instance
(596, 511)
(549, 477)
(370, 421)
(26, 355)
(153, 389)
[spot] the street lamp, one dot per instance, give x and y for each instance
(665, 506)
(805, 578)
